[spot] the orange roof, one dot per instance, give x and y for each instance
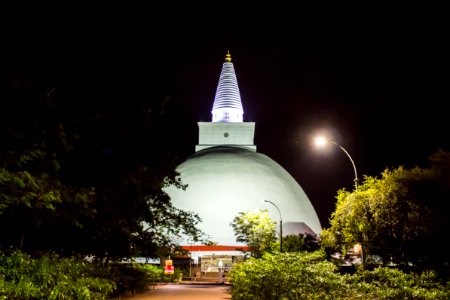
(214, 248)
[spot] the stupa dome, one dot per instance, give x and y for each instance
(225, 180)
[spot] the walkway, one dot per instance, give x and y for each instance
(185, 291)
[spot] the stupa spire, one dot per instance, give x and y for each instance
(228, 56)
(227, 105)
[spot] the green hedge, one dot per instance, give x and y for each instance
(134, 277)
(50, 277)
(311, 276)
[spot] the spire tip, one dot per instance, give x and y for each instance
(228, 56)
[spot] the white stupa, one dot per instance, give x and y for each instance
(226, 175)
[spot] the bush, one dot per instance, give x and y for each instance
(134, 277)
(311, 276)
(388, 283)
(286, 276)
(50, 277)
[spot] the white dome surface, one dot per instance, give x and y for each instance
(224, 181)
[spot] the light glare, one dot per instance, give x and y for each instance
(320, 141)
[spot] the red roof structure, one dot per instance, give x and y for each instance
(214, 248)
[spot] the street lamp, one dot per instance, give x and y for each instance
(190, 260)
(321, 141)
(281, 225)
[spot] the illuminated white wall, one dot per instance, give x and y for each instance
(212, 134)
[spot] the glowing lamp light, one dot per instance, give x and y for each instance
(320, 141)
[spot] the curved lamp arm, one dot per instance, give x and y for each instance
(353, 163)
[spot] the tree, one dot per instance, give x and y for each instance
(402, 216)
(82, 168)
(129, 148)
(36, 202)
(256, 229)
(301, 242)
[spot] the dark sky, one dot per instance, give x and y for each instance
(376, 82)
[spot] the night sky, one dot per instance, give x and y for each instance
(377, 84)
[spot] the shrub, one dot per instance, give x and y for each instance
(50, 277)
(134, 276)
(286, 276)
(311, 276)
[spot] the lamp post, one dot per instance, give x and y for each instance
(320, 141)
(281, 225)
(190, 259)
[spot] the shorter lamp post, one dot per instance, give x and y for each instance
(190, 260)
(281, 225)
